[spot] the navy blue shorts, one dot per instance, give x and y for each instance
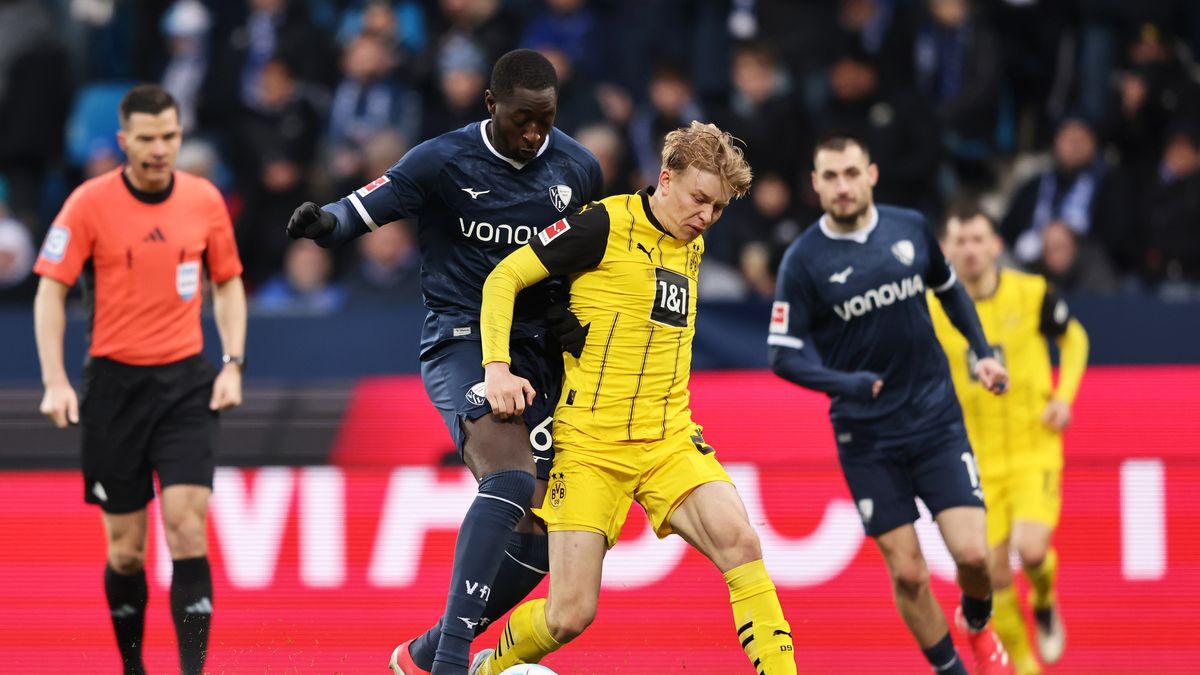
(884, 475)
(453, 377)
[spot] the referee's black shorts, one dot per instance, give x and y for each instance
(140, 420)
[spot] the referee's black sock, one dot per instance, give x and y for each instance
(502, 500)
(191, 607)
(127, 595)
(526, 560)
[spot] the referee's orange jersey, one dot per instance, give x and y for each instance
(141, 257)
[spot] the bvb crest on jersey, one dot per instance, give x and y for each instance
(560, 196)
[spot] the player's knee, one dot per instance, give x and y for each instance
(911, 578)
(127, 560)
(186, 535)
(972, 560)
(740, 545)
(1032, 554)
(566, 621)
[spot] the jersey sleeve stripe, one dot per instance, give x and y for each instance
(362, 212)
(949, 282)
(785, 341)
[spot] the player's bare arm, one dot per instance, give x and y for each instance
(59, 402)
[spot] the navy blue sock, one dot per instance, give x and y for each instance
(976, 611)
(502, 500)
(944, 658)
(522, 569)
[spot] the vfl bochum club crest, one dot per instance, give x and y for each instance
(904, 252)
(560, 196)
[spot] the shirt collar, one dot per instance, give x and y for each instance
(857, 236)
(515, 164)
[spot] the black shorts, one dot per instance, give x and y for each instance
(886, 475)
(139, 420)
(453, 377)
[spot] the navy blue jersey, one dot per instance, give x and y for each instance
(859, 300)
(473, 207)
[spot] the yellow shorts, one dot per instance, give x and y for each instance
(1032, 494)
(593, 482)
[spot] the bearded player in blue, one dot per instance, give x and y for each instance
(850, 319)
(478, 194)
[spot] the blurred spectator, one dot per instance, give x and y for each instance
(1080, 190)
(763, 228)
(304, 286)
(274, 143)
(185, 25)
(1170, 211)
(761, 112)
(884, 30)
(578, 103)
(271, 29)
(671, 105)
(388, 269)
(900, 129)
(570, 27)
(400, 28)
(1152, 91)
(461, 83)
(16, 260)
(484, 23)
(1074, 263)
(958, 68)
(35, 94)
(369, 100)
(1104, 26)
(605, 143)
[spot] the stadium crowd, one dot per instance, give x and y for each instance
(1077, 122)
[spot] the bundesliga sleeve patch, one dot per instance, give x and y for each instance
(779, 317)
(552, 231)
(372, 186)
(55, 246)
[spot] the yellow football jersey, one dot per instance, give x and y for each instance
(1006, 431)
(635, 286)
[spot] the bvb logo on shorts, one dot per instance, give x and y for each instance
(558, 489)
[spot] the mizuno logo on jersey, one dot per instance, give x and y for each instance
(880, 297)
(840, 277)
(372, 186)
(475, 193)
(501, 233)
(552, 231)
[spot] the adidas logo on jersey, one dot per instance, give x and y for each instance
(880, 297)
(155, 235)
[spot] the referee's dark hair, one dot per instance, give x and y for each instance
(839, 141)
(522, 69)
(146, 98)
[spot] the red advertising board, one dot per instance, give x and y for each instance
(325, 569)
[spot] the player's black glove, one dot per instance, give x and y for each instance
(310, 222)
(565, 326)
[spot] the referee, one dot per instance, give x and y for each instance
(141, 236)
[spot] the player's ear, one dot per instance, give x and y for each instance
(873, 173)
(489, 100)
(664, 180)
(122, 141)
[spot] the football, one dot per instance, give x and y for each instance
(528, 669)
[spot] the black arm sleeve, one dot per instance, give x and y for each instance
(961, 312)
(1055, 314)
(575, 243)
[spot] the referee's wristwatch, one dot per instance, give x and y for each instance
(239, 361)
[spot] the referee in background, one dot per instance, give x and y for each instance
(141, 236)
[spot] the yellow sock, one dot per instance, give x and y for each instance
(762, 630)
(525, 639)
(1009, 624)
(1042, 578)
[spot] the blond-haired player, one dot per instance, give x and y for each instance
(623, 430)
(1017, 437)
